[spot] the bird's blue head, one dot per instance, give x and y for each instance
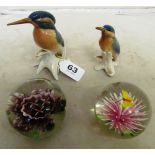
(109, 28)
(42, 19)
(106, 27)
(40, 15)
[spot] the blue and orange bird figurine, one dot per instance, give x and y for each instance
(108, 41)
(45, 33)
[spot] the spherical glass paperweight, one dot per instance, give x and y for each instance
(123, 110)
(37, 108)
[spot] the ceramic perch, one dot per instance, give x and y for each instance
(107, 64)
(50, 61)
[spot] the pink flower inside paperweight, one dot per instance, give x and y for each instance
(123, 110)
(37, 108)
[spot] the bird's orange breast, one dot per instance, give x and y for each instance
(46, 39)
(106, 43)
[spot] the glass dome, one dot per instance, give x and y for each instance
(37, 108)
(123, 110)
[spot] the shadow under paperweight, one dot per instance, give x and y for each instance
(37, 108)
(123, 110)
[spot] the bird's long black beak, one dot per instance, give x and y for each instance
(22, 21)
(100, 28)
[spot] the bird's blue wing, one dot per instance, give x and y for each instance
(116, 46)
(59, 38)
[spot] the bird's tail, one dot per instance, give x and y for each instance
(61, 53)
(64, 53)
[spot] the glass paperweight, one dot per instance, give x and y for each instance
(37, 108)
(123, 110)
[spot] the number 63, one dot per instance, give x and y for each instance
(72, 68)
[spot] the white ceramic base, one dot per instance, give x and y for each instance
(107, 64)
(49, 60)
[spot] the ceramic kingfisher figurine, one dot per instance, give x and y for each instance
(48, 38)
(110, 47)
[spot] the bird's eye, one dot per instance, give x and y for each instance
(110, 30)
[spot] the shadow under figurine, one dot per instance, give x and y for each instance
(111, 49)
(48, 38)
